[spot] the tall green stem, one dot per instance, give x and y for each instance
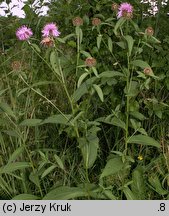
(127, 103)
(78, 47)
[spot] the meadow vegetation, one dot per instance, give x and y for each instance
(84, 102)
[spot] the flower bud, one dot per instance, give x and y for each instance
(148, 71)
(77, 21)
(47, 41)
(90, 62)
(149, 31)
(96, 21)
(16, 65)
(114, 7)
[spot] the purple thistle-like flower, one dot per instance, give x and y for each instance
(50, 30)
(125, 10)
(24, 33)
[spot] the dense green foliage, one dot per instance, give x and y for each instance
(71, 131)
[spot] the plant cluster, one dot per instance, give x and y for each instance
(84, 106)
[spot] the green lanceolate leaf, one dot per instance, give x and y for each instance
(109, 195)
(113, 166)
(99, 39)
(79, 33)
(48, 171)
(143, 140)
(129, 194)
(138, 185)
(155, 182)
(81, 78)
(4, 107)
(89, 146)
(58, 119)
(140, 63)
(110, 44)
(130, 43)
(86, 54)
(36, 47)
(99, 92)
(33, 177)
(109, 74)
(113, 121)
(11, 167)
(119, 23)
(59, 162)
(16, 154)
(31, 122)
(65, 193)
(54, 62)
(83, 89)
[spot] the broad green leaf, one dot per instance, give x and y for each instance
(54, 62)
(16, 154)
(83, 89)
(155, 182)
(113, 121)
(95, 71)
(33, 177)
(130, 43)
(109, 74)
(99, 39)
(129, 194)
(140, 63)
(89, 147)
(113, 166)
(12, 133)
(133, 89)
(11, 167)
(99, 92)
(86, 54)
(65, 193)
(122, 44)
(110, 44)
(7, 109)
(137, 115)
(58, 119)
(138, 185)
(143, 140)
(31, 122)
(81, 78)
(26, 197)
(48, 171)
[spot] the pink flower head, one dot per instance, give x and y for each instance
(125, 10)
(24, 33)
(50, 30)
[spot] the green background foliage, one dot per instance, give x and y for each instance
(68, 131)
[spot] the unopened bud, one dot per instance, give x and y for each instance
(149, 31)
(77, 21)
(90, 62)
